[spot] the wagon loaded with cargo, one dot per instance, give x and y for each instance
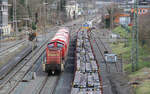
(87, 78)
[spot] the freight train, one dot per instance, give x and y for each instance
(56, 52)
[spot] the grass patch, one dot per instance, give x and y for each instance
(128, 67)
(119, 48)
(120, 31)
(126, 54)
(142, 73)
(144, 88)
(144, 61)
(143, 78)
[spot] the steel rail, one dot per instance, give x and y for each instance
(54, 81)
(99, 49)
(106, 49)
(43, 85)
(28, 65)
(49, 79)
(7, 48)
(100, 78)
(5, 69)
(37, 54)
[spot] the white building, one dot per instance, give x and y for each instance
(125, 20)
(72, 9)
(4, 27)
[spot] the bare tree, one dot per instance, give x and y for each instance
(112, 10)
(144, 29)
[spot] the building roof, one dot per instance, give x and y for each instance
(71, 3)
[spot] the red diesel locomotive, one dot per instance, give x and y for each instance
(56, 51)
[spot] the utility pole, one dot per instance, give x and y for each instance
(45, 15)
(1, 28)
(111, 15)
(46, 12)
(126, 25)
(27, 19)
(45, 19)
(134, 50)
(15, 27)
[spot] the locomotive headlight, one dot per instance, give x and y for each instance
(43, 64)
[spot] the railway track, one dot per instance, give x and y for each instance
(99, 47)
(5, 50)
(49, 85)
(102, 47)
(6, 68)
(106, 47)
(21, 70)
(13, 63)
(42, 83)
(10, 81)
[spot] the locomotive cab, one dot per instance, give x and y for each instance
(53, 60)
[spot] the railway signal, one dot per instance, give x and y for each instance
(32, 36)
(111, 58)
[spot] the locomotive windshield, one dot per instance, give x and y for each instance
(50, 45)
(59, 45)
